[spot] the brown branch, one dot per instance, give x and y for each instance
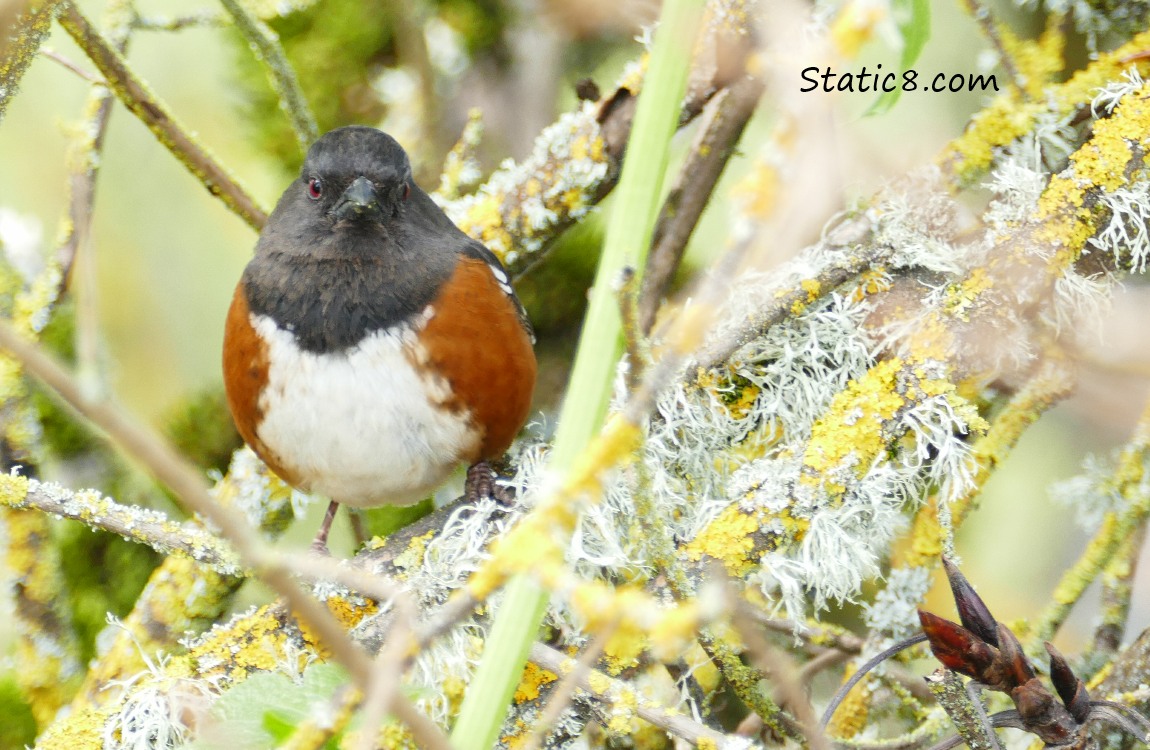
(24, 27)
(784, 675)
(136, 96)
(688, 197)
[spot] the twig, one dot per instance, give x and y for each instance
(777, 308)
(69, 64)
(205, 17)
(388, 670)
(135, 524)
(77, 250)
(985, 20)
(633, 340)
(186, 482)
(411, 45)
(561, 696)
(824, 635)
(1115, 530)
(610, 690)
(1117, 589)
(136, 96)
(283, 78)
(18, 47)
(692, 190)
(784, 675)
(965, 711)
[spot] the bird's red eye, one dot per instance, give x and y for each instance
(314, 188)
(406, 190)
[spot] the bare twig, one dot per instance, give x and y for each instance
(687, 198)
(411, 44)
(136, 96)
(280, 72)
(71, 65)
(77, 250)
(784, 676)
(388, 669)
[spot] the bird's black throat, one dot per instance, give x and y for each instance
(331, 303)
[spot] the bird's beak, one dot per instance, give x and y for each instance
(358, 200)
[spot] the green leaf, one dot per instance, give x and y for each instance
(265, 709)
(913, 20)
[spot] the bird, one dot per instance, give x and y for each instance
(371, 347)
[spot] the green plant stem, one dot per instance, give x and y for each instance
(628, 237)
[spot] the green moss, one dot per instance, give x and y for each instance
(18, 727)
(338, 48)
(201, 428)
(105, 574)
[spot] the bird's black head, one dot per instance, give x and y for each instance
(356, 174)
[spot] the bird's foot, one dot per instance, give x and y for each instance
(319, 544)
(481, 483)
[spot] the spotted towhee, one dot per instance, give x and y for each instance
(371, 346)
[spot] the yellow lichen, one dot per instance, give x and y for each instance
(13, 490)
(962, 296)
(728, 539)
(412, 556)
(534, 678)
(851, 716)
(249, 644)
(599, 683)
(854, 430)
(1037, 61)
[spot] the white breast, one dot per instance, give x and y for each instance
(359, 426)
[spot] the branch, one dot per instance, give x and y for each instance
(136, 96)
(709, 154)
(131, 522)
(267, 45)
(1117, 528)
(32, 20)
(966, 711)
